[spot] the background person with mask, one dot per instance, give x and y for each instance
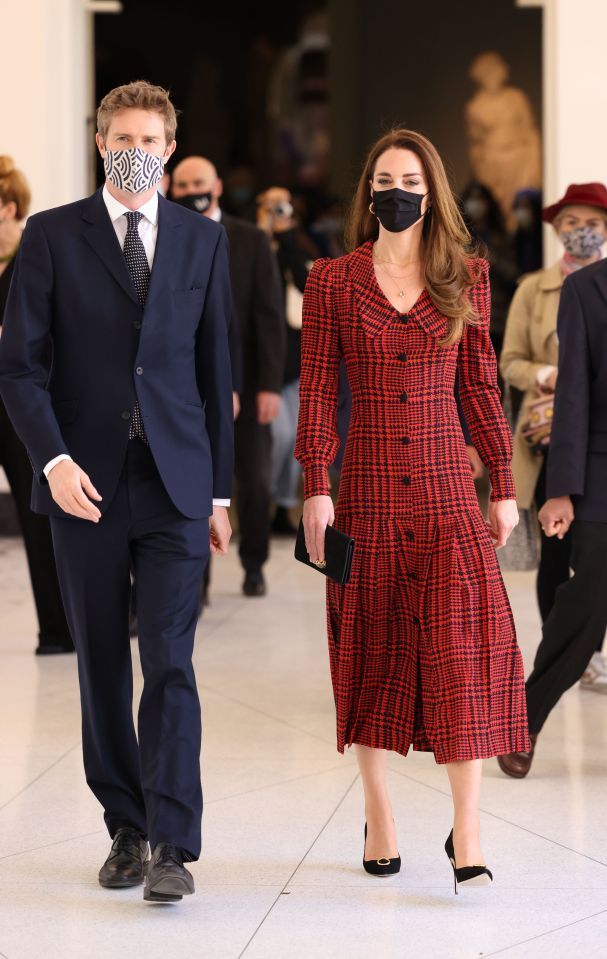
(576, 490)
(486, 224)
(295, 253)
(529, 362)
(258, 307)
(54, 635)
(130, 434)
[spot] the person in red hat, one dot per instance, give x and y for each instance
(529, 362)
(571, 484)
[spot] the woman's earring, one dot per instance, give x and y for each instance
(371, 208)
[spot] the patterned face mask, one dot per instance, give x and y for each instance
(583, 242)
(134, 170)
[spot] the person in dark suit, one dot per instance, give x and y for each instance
(54, 635)
(257, 295)
(577, 498)
(130, 437)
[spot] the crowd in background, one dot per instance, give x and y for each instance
(275, 235)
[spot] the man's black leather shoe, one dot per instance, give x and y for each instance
(167, 879)
(254, 583)
(125, 865)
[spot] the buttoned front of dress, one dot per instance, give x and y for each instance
(422, 644)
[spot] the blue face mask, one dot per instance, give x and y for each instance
(134, 170)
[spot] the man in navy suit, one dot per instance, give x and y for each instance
(115, 370)
(577, 498)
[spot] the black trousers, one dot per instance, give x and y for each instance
(575, 627)
(555, 557)
(253, 468)
(150, 782)
(36, 537)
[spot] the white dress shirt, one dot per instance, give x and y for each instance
(148, 231)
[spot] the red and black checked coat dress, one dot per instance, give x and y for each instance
(422, 644)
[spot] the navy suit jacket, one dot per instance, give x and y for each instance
(577, 459)
(77, 350)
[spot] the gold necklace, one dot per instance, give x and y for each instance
(401, 291)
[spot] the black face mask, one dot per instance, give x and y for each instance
(396, 209)
(198, 202)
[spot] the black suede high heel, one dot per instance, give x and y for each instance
(380, 867)
(471, 875)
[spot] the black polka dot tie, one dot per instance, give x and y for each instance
(138, 267)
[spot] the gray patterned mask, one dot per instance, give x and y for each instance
(134, 170)
(583, 242)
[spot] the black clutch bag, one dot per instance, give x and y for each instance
(339, 550)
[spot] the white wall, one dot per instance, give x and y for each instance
(575, 97)
(45, 83)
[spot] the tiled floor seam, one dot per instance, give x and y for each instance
(299, 864)
(261, 712)
(49, 845)
(543, 935)
(282, 782)
(40, 775)
(508, 822)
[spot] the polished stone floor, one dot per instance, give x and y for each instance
(280, 875)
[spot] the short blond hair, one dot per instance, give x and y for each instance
(139, 95)
(14, 187)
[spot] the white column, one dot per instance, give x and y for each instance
(575, 97)
(45, 78)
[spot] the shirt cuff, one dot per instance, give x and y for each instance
(221, 502)
(502, 483)
(316, 481)
(49, 466)
(543, 373)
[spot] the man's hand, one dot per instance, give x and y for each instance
(220, 530)
(476, 465)
(318, 513)
(556, 516)
(236, 404)
(268, 406)
(502, 518)
(550, 383)
(73, 491)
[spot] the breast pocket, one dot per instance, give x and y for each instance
(189, 303)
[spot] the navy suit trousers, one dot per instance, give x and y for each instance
(151, 780)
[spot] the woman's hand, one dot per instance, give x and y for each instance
(318, 513)
(502, 518)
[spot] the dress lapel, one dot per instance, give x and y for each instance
(99, 233)
(375, 311)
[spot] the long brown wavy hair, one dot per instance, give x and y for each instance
(447, 245)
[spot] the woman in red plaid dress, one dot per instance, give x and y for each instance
(422, 645)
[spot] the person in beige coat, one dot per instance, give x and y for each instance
(529, 362)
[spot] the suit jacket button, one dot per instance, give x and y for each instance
(404, 318)
(126, 414)
(405, 440)
(139, 370)
(407, 480)
(137, 324)
(402, 357)
(403, 397)
(410, 535)
(416, 621)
